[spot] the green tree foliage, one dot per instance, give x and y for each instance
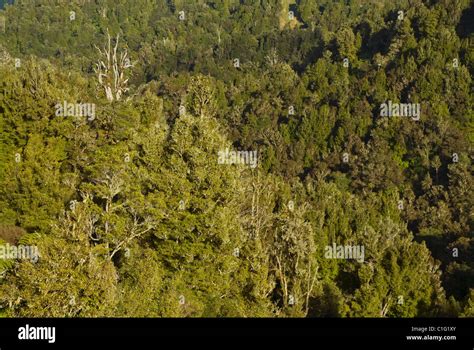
(134, 215)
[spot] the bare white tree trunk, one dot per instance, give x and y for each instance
(111, 70)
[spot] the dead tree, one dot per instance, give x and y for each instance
(111, 69)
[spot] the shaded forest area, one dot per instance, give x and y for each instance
(112, 117)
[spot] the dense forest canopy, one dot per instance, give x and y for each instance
(237, 158)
